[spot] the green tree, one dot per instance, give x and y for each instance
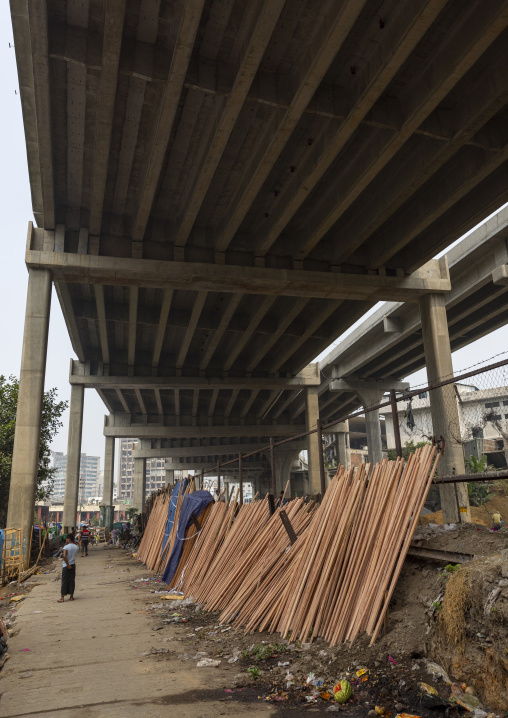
(52, 410)
(479, 494)
(409, 448)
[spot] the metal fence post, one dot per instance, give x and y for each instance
(272, 464)
(218, 476)
(240, 476)
(395, 419)
(321, 459)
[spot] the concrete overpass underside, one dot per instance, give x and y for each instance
(222, 188)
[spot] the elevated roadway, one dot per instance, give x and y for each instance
(221, 189)
(388, 345)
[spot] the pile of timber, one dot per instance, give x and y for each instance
(338, 578)
(151, 550)
(335, 581)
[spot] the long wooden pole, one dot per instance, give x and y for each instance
(272, 465)
(240, 476)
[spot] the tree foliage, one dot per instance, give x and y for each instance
(52, 410)
(409, 448)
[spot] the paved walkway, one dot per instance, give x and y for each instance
(84, 657)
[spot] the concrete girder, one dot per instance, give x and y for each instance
(432, 277)
(361, 386)
(500, 275)
(161, 327)
(428, 91)
(30, 27)
(389, 55)
(211, 450)
(317, 62)
(188, 25)
(80, 374)
(253, 48)
(121, 427)
(112, 41)
(472, 263)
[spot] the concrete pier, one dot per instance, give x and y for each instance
(109, 477)
(25, 460)
(443, 406)
(314, 445)
(139, 485)
(73, 458)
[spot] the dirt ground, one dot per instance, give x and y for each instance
(142, 650)
(479, 514)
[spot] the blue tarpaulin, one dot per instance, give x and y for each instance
(192, 507)
(171, 511)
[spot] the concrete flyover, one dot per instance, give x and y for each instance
(221, 189)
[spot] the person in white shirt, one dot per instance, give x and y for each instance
(69, 568)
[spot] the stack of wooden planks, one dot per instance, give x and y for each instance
(150, 550)
(338, 578)
(335, 581)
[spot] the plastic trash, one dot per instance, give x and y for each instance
(438, 672)
(208, 663)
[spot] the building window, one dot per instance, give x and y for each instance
(423, 395)
(492, 405)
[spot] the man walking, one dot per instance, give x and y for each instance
(69, 568)
(85, 538)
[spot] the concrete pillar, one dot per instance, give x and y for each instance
(25, 458)
(73, 457)
(314, 444)
(170, 476)
(373, 430)
(343, 447)
(106, 511)
(284, 459)
(139, 487)
(443, 405)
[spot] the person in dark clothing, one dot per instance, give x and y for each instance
(69, 568)
(85, 538)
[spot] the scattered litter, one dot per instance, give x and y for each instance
(436, 670)
(15, 599)
(208, 663)
(429, 690)
(392, 660)
(26, 650)
(26, 674)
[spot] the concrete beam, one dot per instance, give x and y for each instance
(114, 14)
(161, 328)
(356, 386)
(253, 48)
(160, 431)
(120, 271)
(188, 23)
(80, 376)
(393, 48)
(30, 27)
(196, 451)
(500, 275)
(315, 64)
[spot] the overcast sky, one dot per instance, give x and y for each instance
(16, 213)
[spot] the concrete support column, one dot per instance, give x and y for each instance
(139, 485)
(372, 426)
(170, 475)
(342, 445)
(443, 405)
(109, 478)
(314, 444)
(25, 458)
(73, 457)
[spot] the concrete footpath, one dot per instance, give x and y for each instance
(84, 657)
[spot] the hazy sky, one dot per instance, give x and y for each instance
(16, 212)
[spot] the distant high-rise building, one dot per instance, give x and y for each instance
(89, 471)
(155, 471)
